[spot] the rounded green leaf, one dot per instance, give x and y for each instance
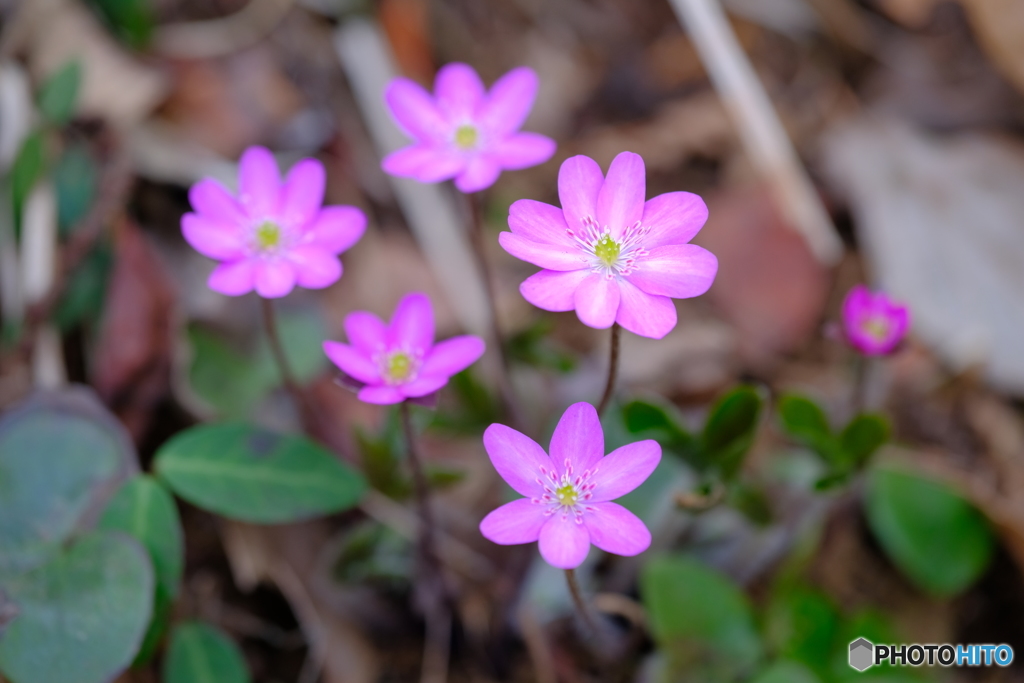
(200, 653)
(255, 475)
(82, 616)
(805, 421)
(803, 625)
(61, 455)
(786, 672)
(730, 428)
(938, 539)
(865, 434)
(695, 610)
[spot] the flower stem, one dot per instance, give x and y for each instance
(477, 239)
(581, 605)
(861, 378)
(613, 369)
(434, 595)
(291, 385)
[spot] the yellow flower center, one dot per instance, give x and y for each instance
(876, 328)
(607, 250)
(567, 495)
(399, 366)
(466, 136)
(268, 236)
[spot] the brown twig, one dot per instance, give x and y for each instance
(613, 369)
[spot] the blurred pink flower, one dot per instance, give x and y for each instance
(607, 253)
(399, 360)
(464, 132)
(274, 235)
(568, 495)
(873, 323)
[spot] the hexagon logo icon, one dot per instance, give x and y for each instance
(861, 654)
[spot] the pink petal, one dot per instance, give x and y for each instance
(647, 315)
(422, 386)
(579, 182)
(382, 395)
(315, 267)
(614, 529)
(211, 199)
(679, 271)
(274, 278)
(597, 301)
(578, 439)
(513, 523)
(508, 103)
(259, 183)
(564, 543)
(543, 254)
(673, 218)
(624, 469)
(365, 331)
(539, 222)
(415, 112)
(352, 361)
(233, 277)
(458, 91)
(336, 228)
(553, 290)
(480, 173)
(517, 458)
(428, 163)
(210, 237)
(620, 203)
(452, 356)
(412, 324)
(303, 193)
(857, 302)
(523, 150)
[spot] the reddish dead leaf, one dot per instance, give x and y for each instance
(406, 23)
(131, 365)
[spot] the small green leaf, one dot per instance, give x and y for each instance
(938, 539)
(803, 625)
(805, 421)
(865, 434)
(660, 421)
(59, 93)
(82, 616)
(27, 168)
(61, 454)
(699, 617)
(255, 475)
(75, 180)
(131, 21)
(441, 477)
(731, 427)
(86, 292)
(786, 672)
(201, 653)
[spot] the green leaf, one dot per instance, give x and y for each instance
(28, 166)
(803, 625)
(731, 427)
(255, 475)
(534, 346)
(61, 454)
(201, 653)
(786, 672)
(660, 421)
(86, 292)
(82, 616)
(938, 539)
(865, 434)
(59, 93)
(74, 179)
(130, 20)
(805, 421)
(698, 616)
(469, 406)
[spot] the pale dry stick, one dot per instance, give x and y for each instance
(39, 268)
(760, 129)
(613, 369)
(219, 37)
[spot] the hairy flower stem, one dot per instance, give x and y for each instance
(613, 369)
(581, 605)
(307, 412)
(434, 594)
(477, 239)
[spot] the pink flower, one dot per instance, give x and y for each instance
(274, 235)
(568, 496)
(607, 253)
(463, 132)
(400, 360)
(874, 324)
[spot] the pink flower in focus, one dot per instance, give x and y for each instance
(873, 324)
(464, 132)
(568, 495)
(400, 360)
(274, 235)
(607, 253)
